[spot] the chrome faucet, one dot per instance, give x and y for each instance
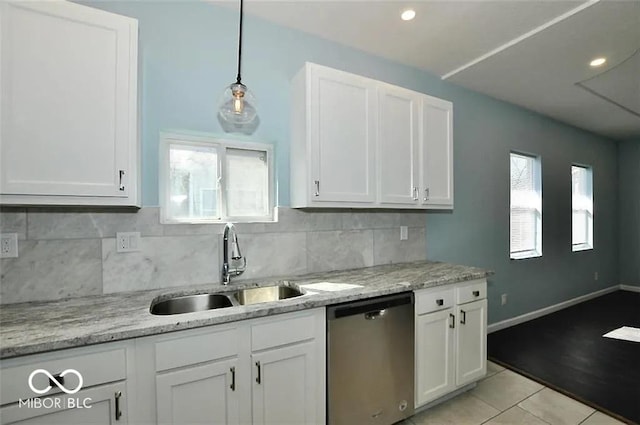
(235, 265)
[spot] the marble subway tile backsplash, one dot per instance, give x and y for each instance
(339, 250)
(67, 253)
(162, 262)
(51, 270)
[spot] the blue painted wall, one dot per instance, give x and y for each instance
(188, 55)
(629, 208)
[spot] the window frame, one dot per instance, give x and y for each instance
(220, 144)
(589, 244)
(537, 183)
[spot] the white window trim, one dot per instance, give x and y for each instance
(586, 246)
(206, 141)
(537, 179)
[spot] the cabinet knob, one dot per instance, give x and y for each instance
(476, 293)
(440, 302)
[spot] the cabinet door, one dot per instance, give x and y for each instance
(95, 405)
(471, 348)
(437, 153)
(198, 395)
(285, 387)
(343, 131)
(435, 366)
(68, 114)
(398, 145)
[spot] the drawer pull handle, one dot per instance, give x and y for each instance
(463, 317)
(476, 293)
(118, 412)
(317, 183)
(233, 379)
(440, 302)
(258, 378)
(121, 173)
(452, 323)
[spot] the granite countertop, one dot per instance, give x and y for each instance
(37, 327)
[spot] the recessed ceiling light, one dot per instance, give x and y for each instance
(408, 15)
(598, 62)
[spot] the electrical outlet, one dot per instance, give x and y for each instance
(595, 276)
(504, 299)
(404, 233)
(8, 245)
(127, 241)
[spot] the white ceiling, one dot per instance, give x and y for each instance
(530, 53)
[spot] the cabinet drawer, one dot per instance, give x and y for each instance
(471, 291)
(429, 300)
(193, 347)
(288, 329)
(94, 367)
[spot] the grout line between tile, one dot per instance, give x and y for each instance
(585, 419)
(527, 410)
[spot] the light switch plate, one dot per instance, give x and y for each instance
(8, 245)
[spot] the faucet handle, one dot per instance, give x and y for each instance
(235, 249)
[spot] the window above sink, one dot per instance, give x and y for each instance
(205, 179)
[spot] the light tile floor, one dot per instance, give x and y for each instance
(506, 398)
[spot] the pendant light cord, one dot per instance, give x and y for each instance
(238, 78)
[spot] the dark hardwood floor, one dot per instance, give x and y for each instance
(565, 350)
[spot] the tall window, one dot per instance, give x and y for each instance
(204, 179)
(526, 207)
(582, 208)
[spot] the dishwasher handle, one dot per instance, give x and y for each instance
(373, 315)
(369, 307)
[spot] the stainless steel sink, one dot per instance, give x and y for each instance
(266, 294)
(190, 304)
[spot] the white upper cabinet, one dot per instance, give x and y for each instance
(333, 147)
(68, 114)
(362, 143)
(437, 153)
(398, 145)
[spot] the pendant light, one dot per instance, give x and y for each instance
(237, 112)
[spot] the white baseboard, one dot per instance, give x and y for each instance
(630, 288)
(556, 307)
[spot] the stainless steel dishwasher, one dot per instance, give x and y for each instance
(370, 360)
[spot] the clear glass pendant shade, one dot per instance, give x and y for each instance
(237, 105)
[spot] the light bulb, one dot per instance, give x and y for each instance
(238, 105)
(236, 111)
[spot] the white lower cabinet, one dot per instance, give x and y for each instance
(284, 385)
(451, 334)
(435, 363)
(198, 395)
(96, 406)
(101, 374)
(261, 371)
(471, 342)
